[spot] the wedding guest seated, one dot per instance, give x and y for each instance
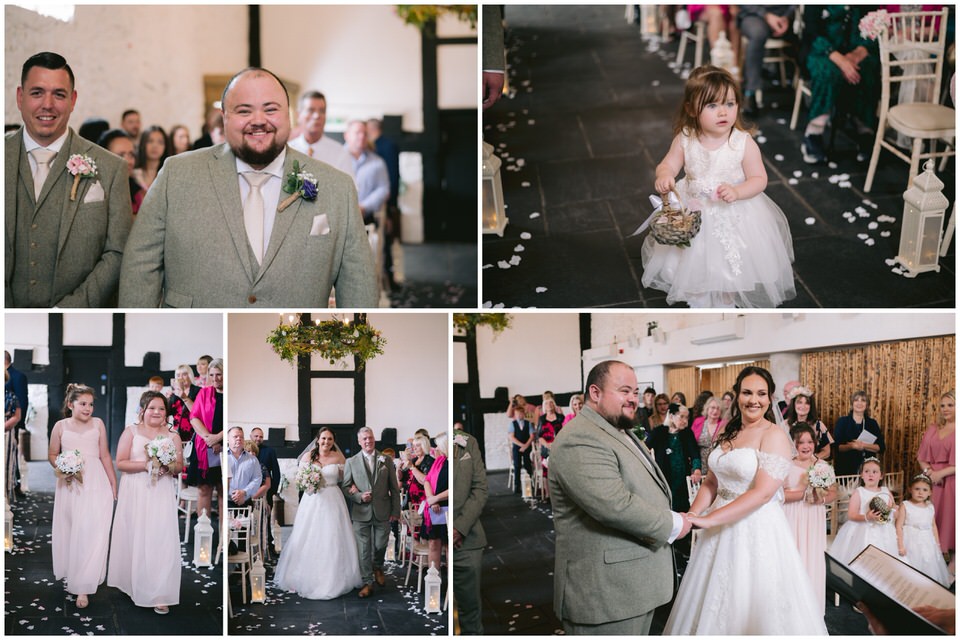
(312, 118)
(117, 141)
(677, 454)
(130, 122)
(245, 476)
(757, 23)
(576, 404)
(373, 183)
(717, 18)
(151, 154)
(179, 139)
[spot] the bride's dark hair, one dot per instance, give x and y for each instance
(315, 453)
(736, 421)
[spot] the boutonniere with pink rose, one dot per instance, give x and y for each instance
(299, 184)
(80, 166)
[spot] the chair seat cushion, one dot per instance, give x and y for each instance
(923, 120)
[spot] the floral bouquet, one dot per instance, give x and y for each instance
(162, 453)
(879, 505)
(70, 466)
(874, 23)
(310, 478)
(819, 476)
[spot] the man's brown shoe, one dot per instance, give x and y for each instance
(379, 577)
(367, 591)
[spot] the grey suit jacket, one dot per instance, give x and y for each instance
(612, 516)
(386, 490)
(189, 248)
(493, 54)
(84, 267)
(469, 491)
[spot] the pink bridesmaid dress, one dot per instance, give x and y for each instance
(808, 523)
(941, 453)
(145, 549)
(81, 517)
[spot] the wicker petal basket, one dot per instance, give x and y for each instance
(675, 226)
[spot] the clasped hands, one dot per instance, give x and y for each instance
(366, 496)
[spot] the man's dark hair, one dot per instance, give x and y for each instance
(128, 112)
(649, 390)
(223, 96)
(310, 95)
(111, 135)
(47, 60)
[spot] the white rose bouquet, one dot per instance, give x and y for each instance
(70, 466)
(310, 478)
(162, 453)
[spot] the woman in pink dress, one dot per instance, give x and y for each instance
(576, 404)
(805, 509)
(145, 549)
(83, 502)
(938, 462)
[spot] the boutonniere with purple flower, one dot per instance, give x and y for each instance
(80, 166)
(299, 184)
(381, 460)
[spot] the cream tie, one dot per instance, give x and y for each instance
(310, 151)
(43, 158)
(253, 211)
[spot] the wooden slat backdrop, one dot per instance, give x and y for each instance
(684, 380)
(903, 379)
(691, 380)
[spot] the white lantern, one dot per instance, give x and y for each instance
(721, 54)
(258, 582)
(924, 207)
(494, 211)
(8, 528)
(431, 584)
(391, 555)
(526, 485)
(203, 541)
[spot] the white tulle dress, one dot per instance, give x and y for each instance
(741, 257)
(320, 560)
(853, 537)
(746, 577)
(923, 550)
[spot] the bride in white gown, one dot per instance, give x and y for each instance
(745, 576)
(319, 561)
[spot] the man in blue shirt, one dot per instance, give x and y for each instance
(373, 181)
(245, 476)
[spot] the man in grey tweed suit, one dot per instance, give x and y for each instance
(198, 243)
(611, 511)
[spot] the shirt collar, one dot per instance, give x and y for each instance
(275, 168)
(30, 144)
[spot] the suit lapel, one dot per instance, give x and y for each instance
(224, 179)
(657, 472)
(635, 446)
(283, 220)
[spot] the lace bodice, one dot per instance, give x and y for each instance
(706, 170)
(918, 517)
(736, 469)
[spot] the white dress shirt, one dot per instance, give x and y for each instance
(327, 151)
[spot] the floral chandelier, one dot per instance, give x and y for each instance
(334, 340)
(468, 322)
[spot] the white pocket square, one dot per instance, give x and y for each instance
(94, 193)
(320, 225)
(465, 456)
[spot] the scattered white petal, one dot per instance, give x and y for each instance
(862, 236)
(526, 235)
(778, 157)
(524, 184)
(531, 121)
(852, 219)
(519, 248)
(846, 184)
(864, 214)
(502, 145)
(503, 264)
(793, 181)
(872, 226)
(869, 242)
(832, 165)
(809, 220)
(884, 234)
(521, 162)
(761, 139)
(488, 304)
(534, 215)
(655, 83)
(487, 266)
(773, 105)
(781, 121)
(860, 210)
(897, 270)
(798, 174)
(514, 260)
(541, 290)
(815, 175)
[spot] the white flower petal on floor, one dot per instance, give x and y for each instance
(778, 157)
(814, 175)
(655, 83)
(890, 262)
(515, 260)
(862, 236)
(869, 242)
(809, 220)
(541, 289)
(832, 165)
(525, 235)
(487, 266)
(503, 264)
(535, 214)
(781, 121)
(488, 304)
(846, 184)
(524, 184)
(519, 248)
(884, 234)
(872, 226)
(798, 174)
(793, 181)
(761, 139)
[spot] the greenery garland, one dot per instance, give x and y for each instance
(332, 339)
(468, 322)
(420, 14)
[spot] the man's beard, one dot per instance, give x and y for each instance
(259, 158)
(620, 421)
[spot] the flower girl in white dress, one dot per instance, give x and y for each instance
(743, 253)
(917, 538)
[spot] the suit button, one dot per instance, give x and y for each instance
(34, 226)
(252, 299)
(33, 282)
(33, 245)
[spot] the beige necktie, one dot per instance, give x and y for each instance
(43, 158)
(253, 211)
(310, 151)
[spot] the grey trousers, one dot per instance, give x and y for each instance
(372, 539)
(638, 626)
(466, 589)
(756, 30)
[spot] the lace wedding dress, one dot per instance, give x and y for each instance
(746, 577)
(743, 253)
(320, 561)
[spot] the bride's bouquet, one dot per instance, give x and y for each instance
(819, 477)
(70, 466)
(310, 478)
(879, 505)
(162, 453)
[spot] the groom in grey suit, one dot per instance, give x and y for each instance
(60, 251)
(611, 511)
(370, 482)
(211, 232)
